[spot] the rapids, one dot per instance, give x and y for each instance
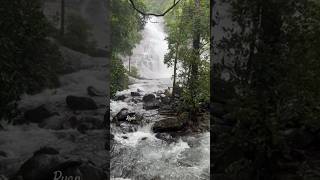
(140, 155)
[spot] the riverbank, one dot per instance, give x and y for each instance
(68, 119)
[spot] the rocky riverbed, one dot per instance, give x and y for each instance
(60, 128)
(151, 141)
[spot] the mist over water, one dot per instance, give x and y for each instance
(148, 55)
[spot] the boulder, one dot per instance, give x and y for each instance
(155, 104)
(38, 114)
(168, 125)
(123, 114)
(149, 98)
(39, 166)
(135, 94)
(81, 103)
(94, 92)
(120, 97)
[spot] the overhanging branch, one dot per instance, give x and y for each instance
(154, 14)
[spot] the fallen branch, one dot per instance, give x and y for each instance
(154, 14)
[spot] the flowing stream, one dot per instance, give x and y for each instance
(140, 154)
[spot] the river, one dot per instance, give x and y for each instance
(140, 155)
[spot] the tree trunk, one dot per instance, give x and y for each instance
(129, 64)
(62, 17)
(175, 72)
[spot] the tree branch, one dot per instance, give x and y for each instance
(154, 14)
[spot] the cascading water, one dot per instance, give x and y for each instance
(148, 55)
(139, 154)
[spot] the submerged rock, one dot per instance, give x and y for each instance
(122, 115)
(135, 94)
(168, 125)
(155, 104)
(81, 103)
(125, 115)
(38, 114)
(120, 98)
(149, 98)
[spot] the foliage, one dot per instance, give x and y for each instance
(134, 72)
(119, 78)
(274, 55)
(126, 24)
(78, 35)
(184, 25)
(29, 60)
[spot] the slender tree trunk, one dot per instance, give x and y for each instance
(62, 17)
(129, 64)
(175, 72)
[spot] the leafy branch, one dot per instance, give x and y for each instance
(153, 14)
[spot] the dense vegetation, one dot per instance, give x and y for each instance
(266, 77)
(188, 31)
(126, 24)
(29, 60)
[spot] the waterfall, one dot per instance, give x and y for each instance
(148, 55)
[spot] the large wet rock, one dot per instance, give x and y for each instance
(81, 103)
(135, 94)
(38, 114)
(123, 115)
(120, 97)
(46, 164)
(40, 165)
(149, 98)
(155, 104)
(168, 125)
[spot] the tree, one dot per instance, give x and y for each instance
(267, 50)
(29, 60)
(188, 41)
(126, 25)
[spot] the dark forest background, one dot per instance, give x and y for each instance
(265, 89)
